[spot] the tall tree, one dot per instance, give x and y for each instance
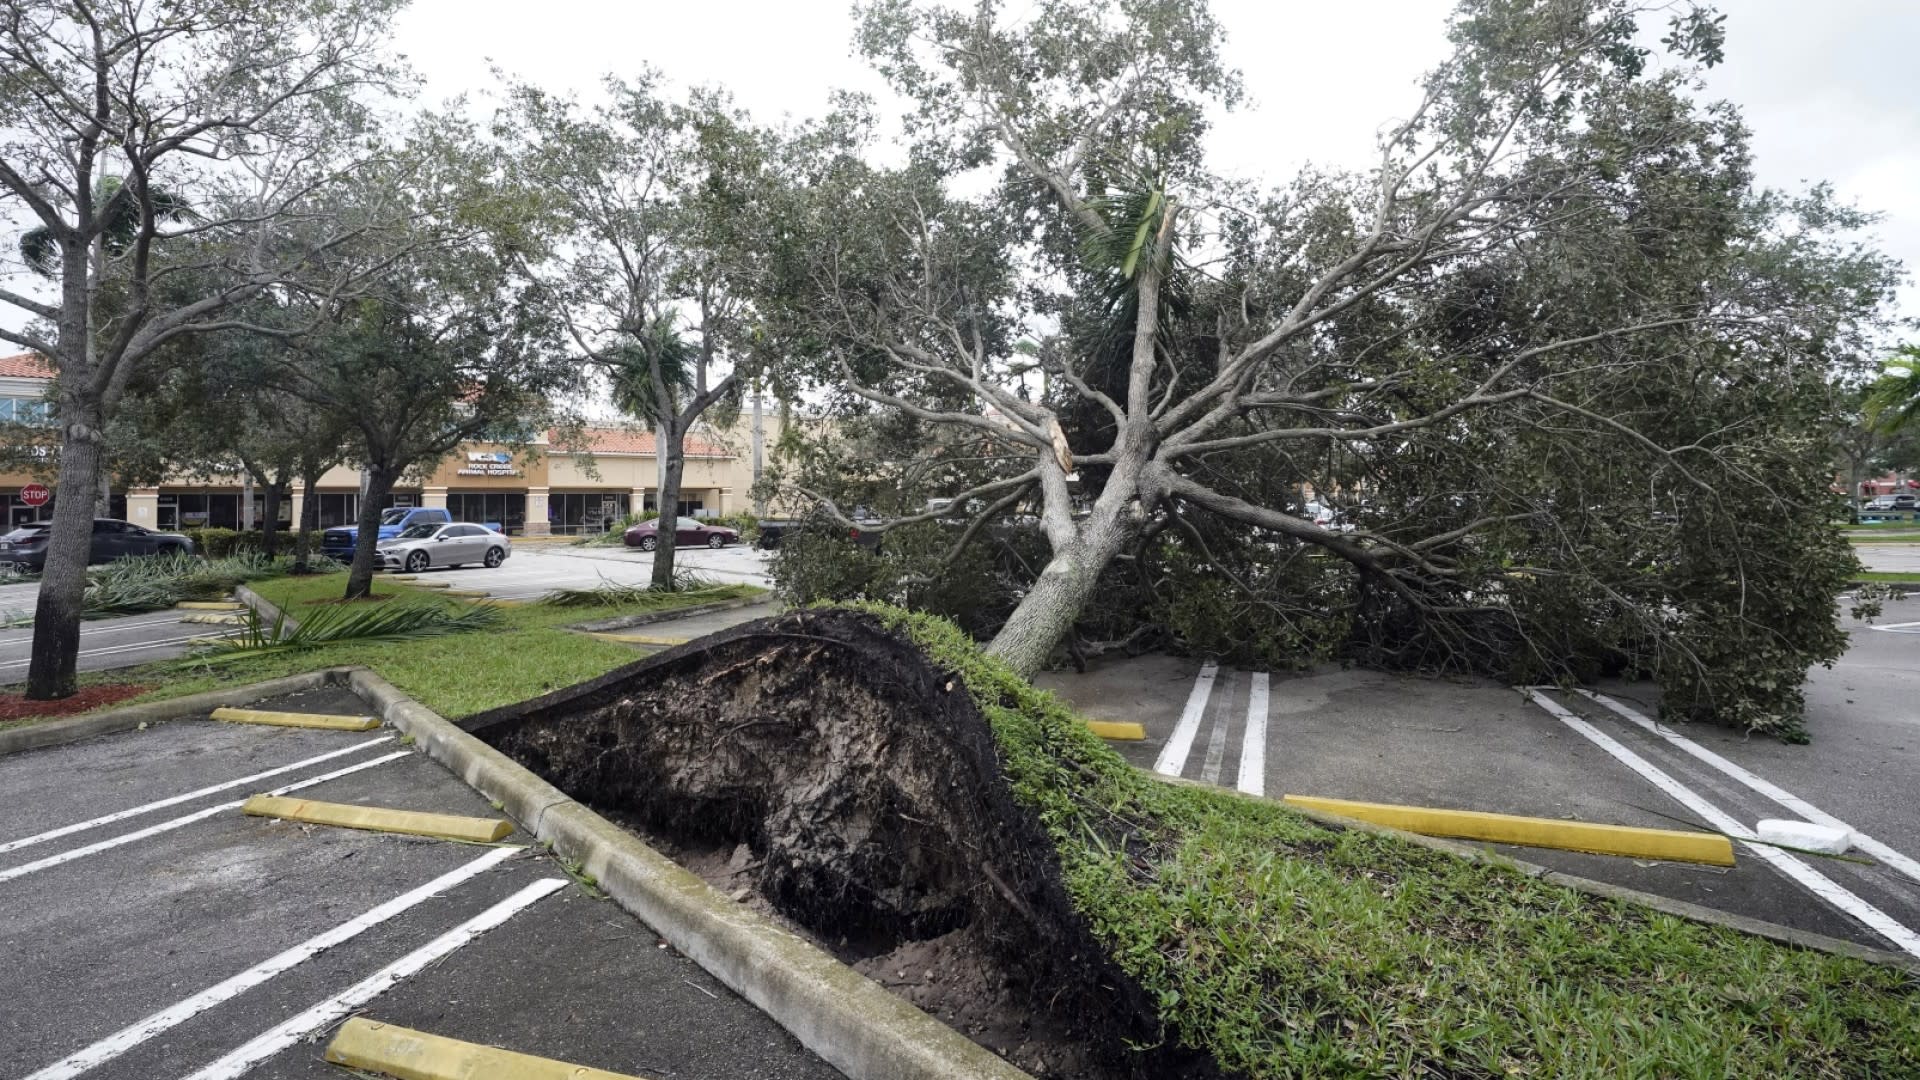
(114, 115)
(664, 205)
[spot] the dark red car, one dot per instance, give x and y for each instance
(686, 533)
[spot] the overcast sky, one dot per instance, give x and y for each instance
(1829, 88)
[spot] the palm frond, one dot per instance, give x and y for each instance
(331, 624)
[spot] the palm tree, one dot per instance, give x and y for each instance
(41, 252)
(1894, 401)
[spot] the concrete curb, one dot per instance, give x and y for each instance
(623, 622)
(850, 1021)
(1785, 935)
(127, 717)
(263, 607)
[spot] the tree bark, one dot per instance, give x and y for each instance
(1045, 615)
(270, 517)
(360, 577)
(63, 581)
(675, 464)
(309, 523)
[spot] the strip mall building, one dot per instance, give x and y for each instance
(552, 489)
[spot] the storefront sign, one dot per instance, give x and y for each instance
(488, 463)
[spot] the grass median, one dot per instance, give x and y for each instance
(1285, 948)
(527, 653)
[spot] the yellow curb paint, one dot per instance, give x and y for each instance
(296, 719)
(211, 605)
(1667, 845)
(406, 1054)
(1113, 729)
(465, 594)
(432, 585)
(379, 819)
(214, 619)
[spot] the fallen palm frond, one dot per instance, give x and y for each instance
(393, 621)
(688, 589)
(131, 586)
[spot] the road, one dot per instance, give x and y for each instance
(108, 643)
(166, 954)
(1475, 745)
(1890, 558)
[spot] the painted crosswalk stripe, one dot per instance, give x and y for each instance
(1817, 883)
(1173, 756)
(1253, 751)
(1807, 811)
(338, 1007)
(184, 820)
(139, 1032)
(175, 800)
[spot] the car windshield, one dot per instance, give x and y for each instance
(28, 532)
(417, 532)
(687, 523)
(394, 516)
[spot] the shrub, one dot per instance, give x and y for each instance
(220, 543)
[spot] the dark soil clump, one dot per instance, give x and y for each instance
(819, 766)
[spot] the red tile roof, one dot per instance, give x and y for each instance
(609, 440)
(25, 366)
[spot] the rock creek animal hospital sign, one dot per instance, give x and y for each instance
(488, 463)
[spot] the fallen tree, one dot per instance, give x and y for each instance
(892, 792)
(1561, 360)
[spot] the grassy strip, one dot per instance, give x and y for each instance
(1887, 575)
(525, 655)
(1286, 948)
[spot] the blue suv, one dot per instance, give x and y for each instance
(340, 542)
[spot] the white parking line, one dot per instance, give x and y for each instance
(1905, 865)
(1217, 746)
(175, 800)
(1819, 884)
(1173, 756)
(140, 1031)
(95, 629)
(1897, 628)
(1253, 751)
(110, 650)
(339, 1006)
(187, 819)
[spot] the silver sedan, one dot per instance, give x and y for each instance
(421, 546)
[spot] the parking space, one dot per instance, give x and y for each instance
(1475, 745)
(213, 944)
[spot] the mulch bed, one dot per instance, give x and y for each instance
(17, 707)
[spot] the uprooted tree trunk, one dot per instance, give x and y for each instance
(869, 789)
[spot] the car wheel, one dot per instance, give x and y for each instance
(716, 541)
(416, 561)
(495, 557)
(648, 543)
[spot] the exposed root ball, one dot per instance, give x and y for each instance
(865, 784)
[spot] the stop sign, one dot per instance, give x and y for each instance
(35, 495)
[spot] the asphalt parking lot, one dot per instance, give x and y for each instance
(181, 938)
(108, 643)
(1477, 745)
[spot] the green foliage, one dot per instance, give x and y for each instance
(1893, 403)
(316, 627)
(689, 589)
(130, 586)
(216, 543)
(1287, 948)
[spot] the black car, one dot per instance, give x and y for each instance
(26, 546)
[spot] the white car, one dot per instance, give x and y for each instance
(420, 546)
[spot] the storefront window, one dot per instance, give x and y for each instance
(585, 512)
(507, 510)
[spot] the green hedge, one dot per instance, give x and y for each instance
(220, 543)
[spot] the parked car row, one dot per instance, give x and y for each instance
(25, 548)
